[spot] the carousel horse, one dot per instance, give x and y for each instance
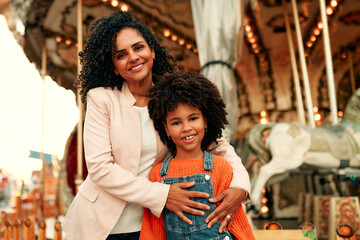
(282, 147)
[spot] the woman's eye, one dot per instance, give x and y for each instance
(139, 47)
(120, 56)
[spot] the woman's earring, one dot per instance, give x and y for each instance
(205, 130)
(169, 137)
(154, 57)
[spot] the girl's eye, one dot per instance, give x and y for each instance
(175, 123)
(193, 118)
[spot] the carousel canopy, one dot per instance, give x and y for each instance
(263, 69)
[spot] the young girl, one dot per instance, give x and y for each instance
(189, 114)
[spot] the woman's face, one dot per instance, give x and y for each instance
(133, 58)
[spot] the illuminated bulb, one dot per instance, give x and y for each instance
(195, 50)
(340, 114)
(315, 109)
(317, 117)
(250, 34)
(104, 0)
(167, 33)
(316, 31)
(188, 46)
(124, 8)
(264, 209)
(313, 38)
(174, 38)
(309, 44)
(252, 40)
(256, 50)
(320, 25)
(181, 41)
(254, 45)
(114, 3)
(263, 120)
(247, 28)
(263, 191)
(264, 200)
(329, 10)
(68, 42)
(263, 113)
(58, 39)
(333, 3)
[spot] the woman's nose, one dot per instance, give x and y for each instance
(133, 56)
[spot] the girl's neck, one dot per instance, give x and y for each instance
(189, 155)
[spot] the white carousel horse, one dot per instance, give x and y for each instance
(289, 146)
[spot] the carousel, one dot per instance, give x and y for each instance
(289, 72)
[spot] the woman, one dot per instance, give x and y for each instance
(121, 61)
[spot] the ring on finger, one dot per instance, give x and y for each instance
(227, 216)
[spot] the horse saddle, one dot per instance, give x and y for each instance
(336, 140)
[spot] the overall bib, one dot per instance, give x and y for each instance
(177, 229)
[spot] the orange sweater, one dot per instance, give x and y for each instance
(153, 227)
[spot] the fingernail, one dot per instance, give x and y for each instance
(220, 231)
(210, 199)
(209, 226)
(190, 222)
(207, 208)
(206, 221)
(202, 213)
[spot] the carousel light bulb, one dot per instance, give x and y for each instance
(315, 109)
(124, 7)
(114, 3)
(340, 114)
(329, 10)
(195, 50)
(250, 34)
(256, 50)
(263, 113)
(309, 44)
(174, 37)
(317, 117)
(167, 33)
(247, 28)
(333, 3)
(181, 41)
(67, 42)
(254, 45)
(320, 25)
(316, 31)
(264, 200)
(58, 39)
(188, 46)
(252, 39)
(264, 209)
(263, 120)
(313, 38)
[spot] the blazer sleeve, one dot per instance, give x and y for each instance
(240, 177)
(104, 172)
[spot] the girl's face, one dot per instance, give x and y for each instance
(186, 127)
(133, 58)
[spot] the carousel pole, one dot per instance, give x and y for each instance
(79, 177)
(42, 157)
(299, 102)
(351, 69)
(329, 66)
(304, 71)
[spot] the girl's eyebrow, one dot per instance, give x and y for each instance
(122, 50)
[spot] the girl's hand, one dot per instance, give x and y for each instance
(178, 201)
(231, 200)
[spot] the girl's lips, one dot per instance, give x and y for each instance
(189, 139)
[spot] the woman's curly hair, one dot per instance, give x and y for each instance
(96, 58)
(189, 88)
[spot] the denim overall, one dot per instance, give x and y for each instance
(177, 229)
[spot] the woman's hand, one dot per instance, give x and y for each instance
(231, 200)
(178, 201)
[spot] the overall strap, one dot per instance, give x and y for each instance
(208, 161)
(165, 166)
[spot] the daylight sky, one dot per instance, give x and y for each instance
(21, 94)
